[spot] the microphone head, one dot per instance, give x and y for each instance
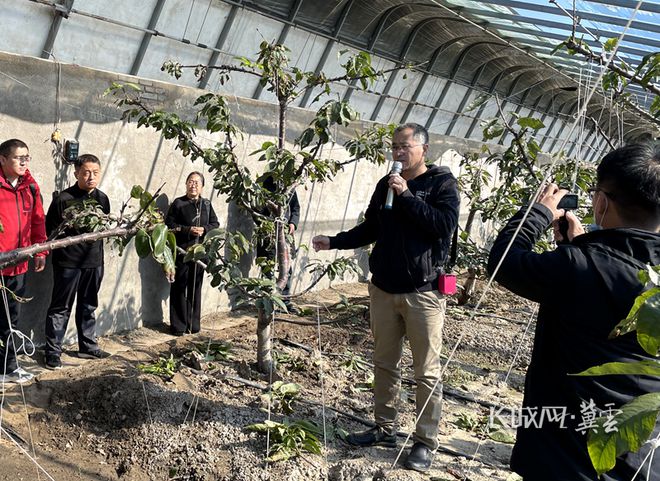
(397, 167)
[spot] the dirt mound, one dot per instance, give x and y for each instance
(109, 420)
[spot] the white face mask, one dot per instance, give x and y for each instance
(597, 225)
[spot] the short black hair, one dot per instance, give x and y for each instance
(195, 173)
(419, 132)
(8, 146)
(84, 158)
(631, 175)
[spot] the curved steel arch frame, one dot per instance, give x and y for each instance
(428, 72)
(416, 6)
(469, 92)
(402, 54)
(452, 75)
(492, 89)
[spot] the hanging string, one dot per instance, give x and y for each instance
(520, 343)
(24, 451)
(203, 21)
(27, 347)
(192, 7)
(321, 375)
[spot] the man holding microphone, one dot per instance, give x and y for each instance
(412, 235)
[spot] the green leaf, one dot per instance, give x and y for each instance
(629, 324)
(142, 244)
(531, 123)
(502, 436)
(648, 368)
(648, 325)
(478, 102)
(159, 239)
(655, 107)
(609, 45)
(492, 129)
(171, 241)
(136, 191)
(558, 47)
(289, 388)
(634, 424)
(145, 199)
(169, 265)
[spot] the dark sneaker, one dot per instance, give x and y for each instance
(18, 376)
(53, 362)
(375, 436)
(98, 354)
(420, 458)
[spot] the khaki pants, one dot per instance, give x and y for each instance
(419, 316)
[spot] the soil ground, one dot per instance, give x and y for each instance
(108, 420)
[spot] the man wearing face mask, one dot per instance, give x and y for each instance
(77, 269)
(585, 288)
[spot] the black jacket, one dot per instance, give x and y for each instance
(413, 238)
(185, 213)
(266, 247)
(80, 256)
(293, 210)
(584, 290)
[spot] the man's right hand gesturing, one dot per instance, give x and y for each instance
(321, 243)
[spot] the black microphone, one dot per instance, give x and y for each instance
(396, 169)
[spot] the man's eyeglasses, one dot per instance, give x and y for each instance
(404, 147)
(592, 192)
(23, 158)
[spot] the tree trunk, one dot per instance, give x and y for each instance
(264, 322)
(470, 283)
(468, 288)
(470, 220)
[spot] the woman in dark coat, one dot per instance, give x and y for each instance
(190, 217)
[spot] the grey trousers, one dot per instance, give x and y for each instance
(419, 317)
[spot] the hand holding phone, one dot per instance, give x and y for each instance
(568, 202)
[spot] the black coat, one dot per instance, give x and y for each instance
(413, 238)
(82, 256)
(584, 290)
(185, 213)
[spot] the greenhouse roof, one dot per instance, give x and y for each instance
(503, 46)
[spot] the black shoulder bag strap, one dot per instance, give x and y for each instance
(453, 251)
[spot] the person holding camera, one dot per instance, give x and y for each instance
(585, 288)
(412, 239)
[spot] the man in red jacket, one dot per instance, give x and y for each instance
(22, 223)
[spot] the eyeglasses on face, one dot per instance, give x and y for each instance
(404, 147)
(193, 182)
(23, 158)
(592, 192)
